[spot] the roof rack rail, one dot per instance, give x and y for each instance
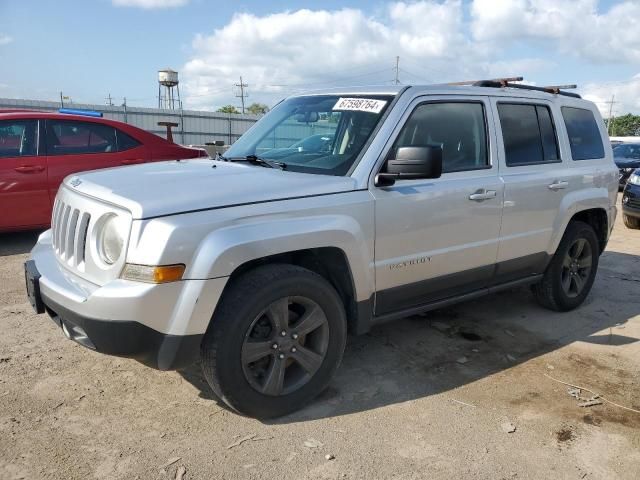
(501, 81)
(506, 82)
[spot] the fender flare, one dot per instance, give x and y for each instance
(224, 250)
(576, 202)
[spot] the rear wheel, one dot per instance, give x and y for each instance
(631, 222)
(572, 270)
(275, 341)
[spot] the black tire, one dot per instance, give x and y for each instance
(248, 315)
(631, 222)
(564, 269)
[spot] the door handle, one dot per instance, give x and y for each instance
(558, 185)
(482, 194)
(131, 161)
(29, 169)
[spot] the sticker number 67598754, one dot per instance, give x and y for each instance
(360, 104)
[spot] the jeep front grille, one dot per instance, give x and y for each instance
(69, 232)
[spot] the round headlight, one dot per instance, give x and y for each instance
(634, 179)
(110, 241)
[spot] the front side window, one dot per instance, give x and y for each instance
(584, 134)
(66, 137)
(459, 128)
(321, 134)
(528, 134)
(18, 138)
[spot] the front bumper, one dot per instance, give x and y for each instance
(631, 200)
(160, 325)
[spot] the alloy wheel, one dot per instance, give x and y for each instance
(576, 267)
(285, 345)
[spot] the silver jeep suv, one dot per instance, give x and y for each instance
(404, 199)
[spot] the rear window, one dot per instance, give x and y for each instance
(528, 134)
(584, 134)
(67, 137)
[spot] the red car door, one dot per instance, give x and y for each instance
(24, 195)
(75, 146)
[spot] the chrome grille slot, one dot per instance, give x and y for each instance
(81, 238)
(55, 223)
(62, 230)
(71, 235)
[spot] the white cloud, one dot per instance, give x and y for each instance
(626, 96)
(314, 48)
(574, 27)
(436, 40)
(5, 39)
(150, 4)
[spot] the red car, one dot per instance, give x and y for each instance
(39, 149)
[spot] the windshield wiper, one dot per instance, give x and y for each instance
(257, 160)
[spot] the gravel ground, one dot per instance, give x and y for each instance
(461, 393)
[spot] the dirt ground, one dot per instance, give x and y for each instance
(426, 397)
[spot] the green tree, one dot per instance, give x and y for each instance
(624, 126)
(257, 109)
(228, 109)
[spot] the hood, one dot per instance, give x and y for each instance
(162, 188)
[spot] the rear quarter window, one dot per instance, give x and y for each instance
(126, 142)
(584, 134)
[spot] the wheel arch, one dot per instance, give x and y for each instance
(334, 246)
(590, 206)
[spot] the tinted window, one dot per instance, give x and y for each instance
(459, 128)
(70, 138)
(125, 142)
(528, 134)
(627, 151)
(584, 134)
(547, 133)
(18, 138)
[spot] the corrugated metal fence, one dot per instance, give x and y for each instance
(194, 127)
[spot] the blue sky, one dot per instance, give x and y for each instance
(89, 49)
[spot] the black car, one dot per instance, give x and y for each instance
(631, 201)
(627, 158)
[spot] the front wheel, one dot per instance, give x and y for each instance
(572, 270)
(275, 340)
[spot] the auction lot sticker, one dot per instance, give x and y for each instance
(360, 105)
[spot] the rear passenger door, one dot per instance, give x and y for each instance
(74, 146)
(536, 178)
(438, 238)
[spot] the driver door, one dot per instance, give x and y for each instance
(438, 238)
(24, 195)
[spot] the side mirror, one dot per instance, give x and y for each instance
(412, 163)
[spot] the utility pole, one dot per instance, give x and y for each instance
(61, 100)
(610, 119)
(109, 100)
(397, 69)
(124, 106)
(242, 95)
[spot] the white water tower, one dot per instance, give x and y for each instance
(168, 89)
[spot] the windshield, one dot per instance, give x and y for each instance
(314, 134)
